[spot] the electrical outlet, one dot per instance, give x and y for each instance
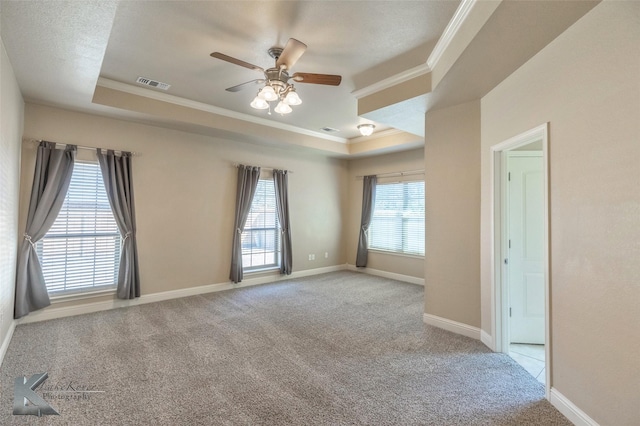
(313, 257)
(326, 254)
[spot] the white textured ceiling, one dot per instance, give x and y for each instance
(65, 53)
(60, 48)
(56, 48)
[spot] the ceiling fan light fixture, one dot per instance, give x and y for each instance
(366, 129)
(276, 79)
(292, 98)
(268, 94)
(259, 103)
(282, 108)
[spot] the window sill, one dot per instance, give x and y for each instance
(261, 270)
(395, 253)
(78, 296)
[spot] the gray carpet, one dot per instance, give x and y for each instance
(334, 349)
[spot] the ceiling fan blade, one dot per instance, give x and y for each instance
(227, 58)
(328, 79)
(241, 86)
(291, 53)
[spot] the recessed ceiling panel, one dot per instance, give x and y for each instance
(172, 42)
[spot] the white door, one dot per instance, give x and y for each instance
(525, 244)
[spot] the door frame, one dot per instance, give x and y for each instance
(499, 300)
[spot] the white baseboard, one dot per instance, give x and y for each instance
(385, 274)
(487, 339)
(52, 312)
(570, 410)
(453, 326)
(7, 340)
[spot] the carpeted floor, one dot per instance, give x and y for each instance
(333, 349)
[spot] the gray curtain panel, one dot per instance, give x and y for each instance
(368, 203)
(248, 177)
(117, 177)
(51, 179)
(281, 182)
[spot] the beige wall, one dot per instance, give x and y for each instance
(398, 162)
(11, 119)
(452, 165)
(185, 193)
(586, 84)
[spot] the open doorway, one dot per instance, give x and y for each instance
(520, 273)
(523, 256)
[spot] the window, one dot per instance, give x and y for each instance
(397, 224)
(81, 251)
(261, 235)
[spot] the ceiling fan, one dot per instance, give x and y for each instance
(276, 79)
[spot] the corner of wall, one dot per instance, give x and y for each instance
(452, 187)
(11, 128)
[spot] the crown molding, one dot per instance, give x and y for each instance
(201, 106)
(450, 31)
(392, 81)
(376, 135)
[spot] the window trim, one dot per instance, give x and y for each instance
(395, 252)
(68, 297)
(260, 270)
(272, 266)
(88, 291)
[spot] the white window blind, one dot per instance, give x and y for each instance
(81, 251)
(261, 234)
(397, 224)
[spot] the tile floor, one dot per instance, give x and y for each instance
(531, 358)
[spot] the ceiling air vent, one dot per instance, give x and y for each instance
(329, 129)
(153, 83)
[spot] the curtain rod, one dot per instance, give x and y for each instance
(90, 148)
(394, 174)
(236, 165)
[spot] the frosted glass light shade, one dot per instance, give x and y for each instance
(292, 98)
(282, 108)
(259, 103)
(366, 129)
(268, 94)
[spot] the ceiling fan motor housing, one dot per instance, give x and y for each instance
(274, 74)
